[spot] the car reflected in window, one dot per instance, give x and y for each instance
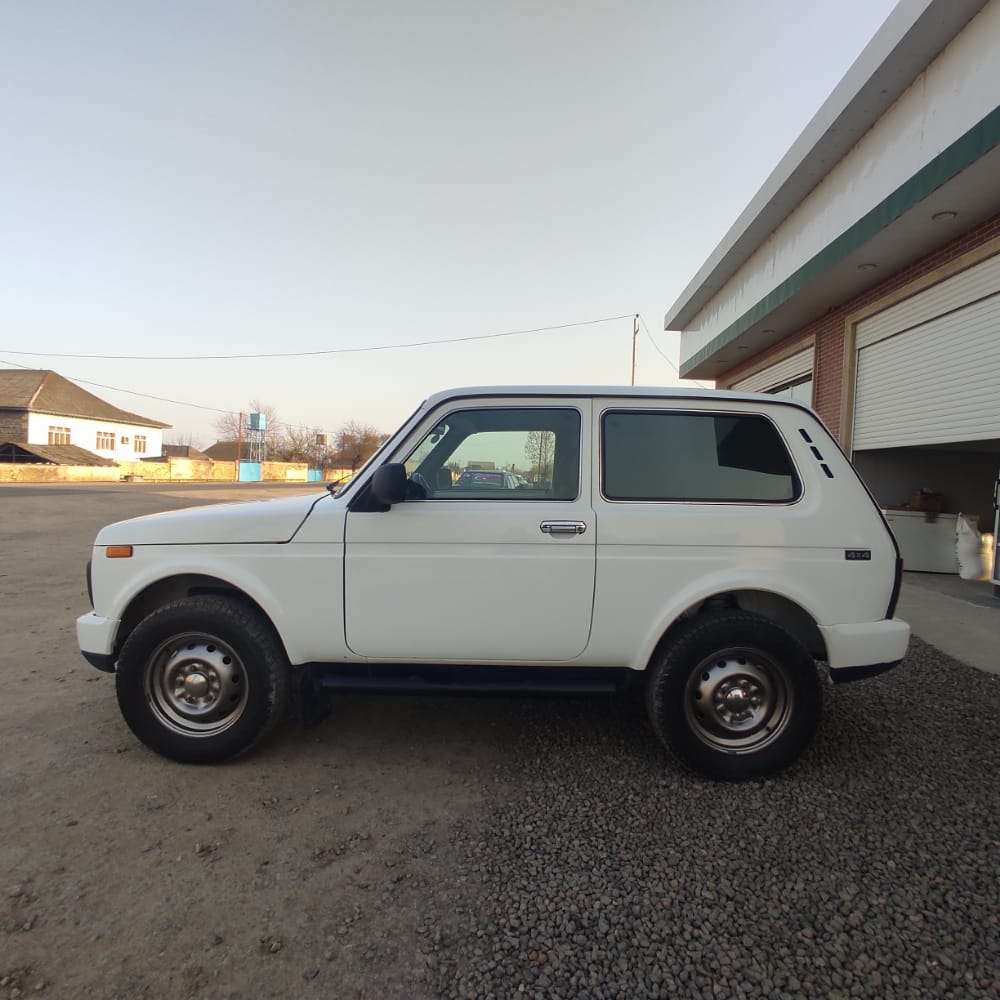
(486, 479)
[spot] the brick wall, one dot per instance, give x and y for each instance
(828, 330)
(13, 426)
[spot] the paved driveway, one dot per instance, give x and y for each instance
(959, 617)
(476, 848)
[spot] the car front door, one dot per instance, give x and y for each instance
(479, 565)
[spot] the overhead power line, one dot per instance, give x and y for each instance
(317, 353)
(664, 356)
(160, 399)
(216, 409)
(132, 392)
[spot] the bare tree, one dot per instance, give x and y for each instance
(350, 447)
(354, 444)
(302, 444)
(177, 437)
(227, 426)
(539, 450)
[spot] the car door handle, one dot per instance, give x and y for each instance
(563, 527)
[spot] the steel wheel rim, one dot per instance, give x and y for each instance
(738, 700)
(196, 685)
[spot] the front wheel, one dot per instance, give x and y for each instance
(735, 696)
(202, 679)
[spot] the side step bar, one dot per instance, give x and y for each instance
(421, 679)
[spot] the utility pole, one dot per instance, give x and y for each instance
(239, 446)
(635, 337)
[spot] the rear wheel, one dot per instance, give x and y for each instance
(735, 696)
(202, 679)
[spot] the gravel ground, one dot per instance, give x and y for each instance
(475, 848)
(871, 869)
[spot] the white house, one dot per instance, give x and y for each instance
(39, 407)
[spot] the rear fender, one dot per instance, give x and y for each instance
(690, 599)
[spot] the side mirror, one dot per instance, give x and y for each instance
(389, 484)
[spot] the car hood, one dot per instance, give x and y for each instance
(246, 521)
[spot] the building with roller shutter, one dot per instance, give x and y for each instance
(864, 277)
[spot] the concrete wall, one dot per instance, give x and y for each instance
(218, 471)
(145, 470)
(173, 470)
(286, 472)
(11, 473)
(176, 470)
(337, 475)
(206, 470)
(83, 432)
(964, 478)
(956, 91)
(182, 469)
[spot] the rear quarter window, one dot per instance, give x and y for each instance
(680, 456)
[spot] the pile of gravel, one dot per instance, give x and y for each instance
(870, 869)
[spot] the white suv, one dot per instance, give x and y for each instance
(711, 545)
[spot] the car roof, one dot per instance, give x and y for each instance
(603, 392)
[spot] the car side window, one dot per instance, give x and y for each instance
(499, 453)
(661, 455)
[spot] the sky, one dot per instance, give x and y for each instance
(190, 178)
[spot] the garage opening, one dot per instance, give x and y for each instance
(925, 490)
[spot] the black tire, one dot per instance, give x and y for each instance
(698, 715)
(244, 698)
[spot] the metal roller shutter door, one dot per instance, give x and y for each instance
(956, 292)
(784, 371)
(935, 383)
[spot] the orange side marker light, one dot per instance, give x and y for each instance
(118, 551)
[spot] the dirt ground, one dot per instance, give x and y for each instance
(410, 848)
(304, 867)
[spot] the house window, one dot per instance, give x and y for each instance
(124, 439)
(58, 435)
(139, 444)
(105, 441)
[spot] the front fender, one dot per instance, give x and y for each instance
(300, 588)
